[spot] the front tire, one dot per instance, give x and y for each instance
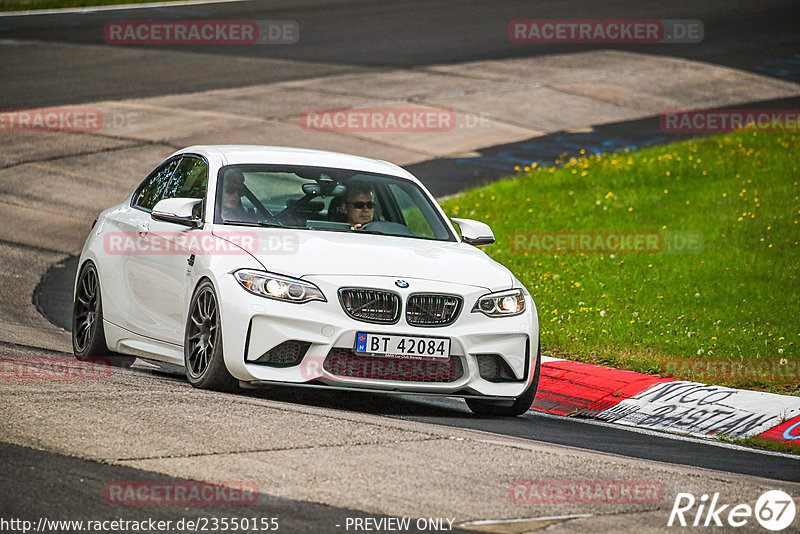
(88, 335)
(520, 405)
(202, 344)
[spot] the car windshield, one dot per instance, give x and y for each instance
(324, 199)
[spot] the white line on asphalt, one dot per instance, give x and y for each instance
(117, 7)
(522, 520)
(666, 435)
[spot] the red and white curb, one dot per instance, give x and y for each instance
(667, 404)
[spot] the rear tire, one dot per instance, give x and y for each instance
(202, 343)
(519, 406)
(88, 335)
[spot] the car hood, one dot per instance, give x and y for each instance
(306, 253)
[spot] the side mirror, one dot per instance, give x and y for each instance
(475, 232)
(179, 211)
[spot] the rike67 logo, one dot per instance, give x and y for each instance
(774, 510)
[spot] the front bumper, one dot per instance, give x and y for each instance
(253, 325)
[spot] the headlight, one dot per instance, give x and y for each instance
(278, 287)
(501, 304)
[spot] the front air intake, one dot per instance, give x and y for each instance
(494, 368)
(370, 305)
(344, 362)
(287, 354)
(428, 309)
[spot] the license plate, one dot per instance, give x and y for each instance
(402, 346)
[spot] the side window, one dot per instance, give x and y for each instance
(182, 177)
(155, 186)
(414, 218)
(190, 179)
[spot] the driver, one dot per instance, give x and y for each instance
(359, 206)
(232, 193)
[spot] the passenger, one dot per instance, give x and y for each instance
(233, 190)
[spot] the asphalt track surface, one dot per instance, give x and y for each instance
(53, 298)
(347, 36)
(77, 485)
(338, 37)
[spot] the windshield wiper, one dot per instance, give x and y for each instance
(342, 229)
(242, 223)
(270, 224)
(262, 224)
(327, 229)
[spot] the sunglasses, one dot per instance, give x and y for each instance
(230, 190)
(359, 205)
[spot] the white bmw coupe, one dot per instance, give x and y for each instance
(255, 265)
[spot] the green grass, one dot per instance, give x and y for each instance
(763, 443)
(24, 5)
(735, 300)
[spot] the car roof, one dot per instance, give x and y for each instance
(255, 154)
